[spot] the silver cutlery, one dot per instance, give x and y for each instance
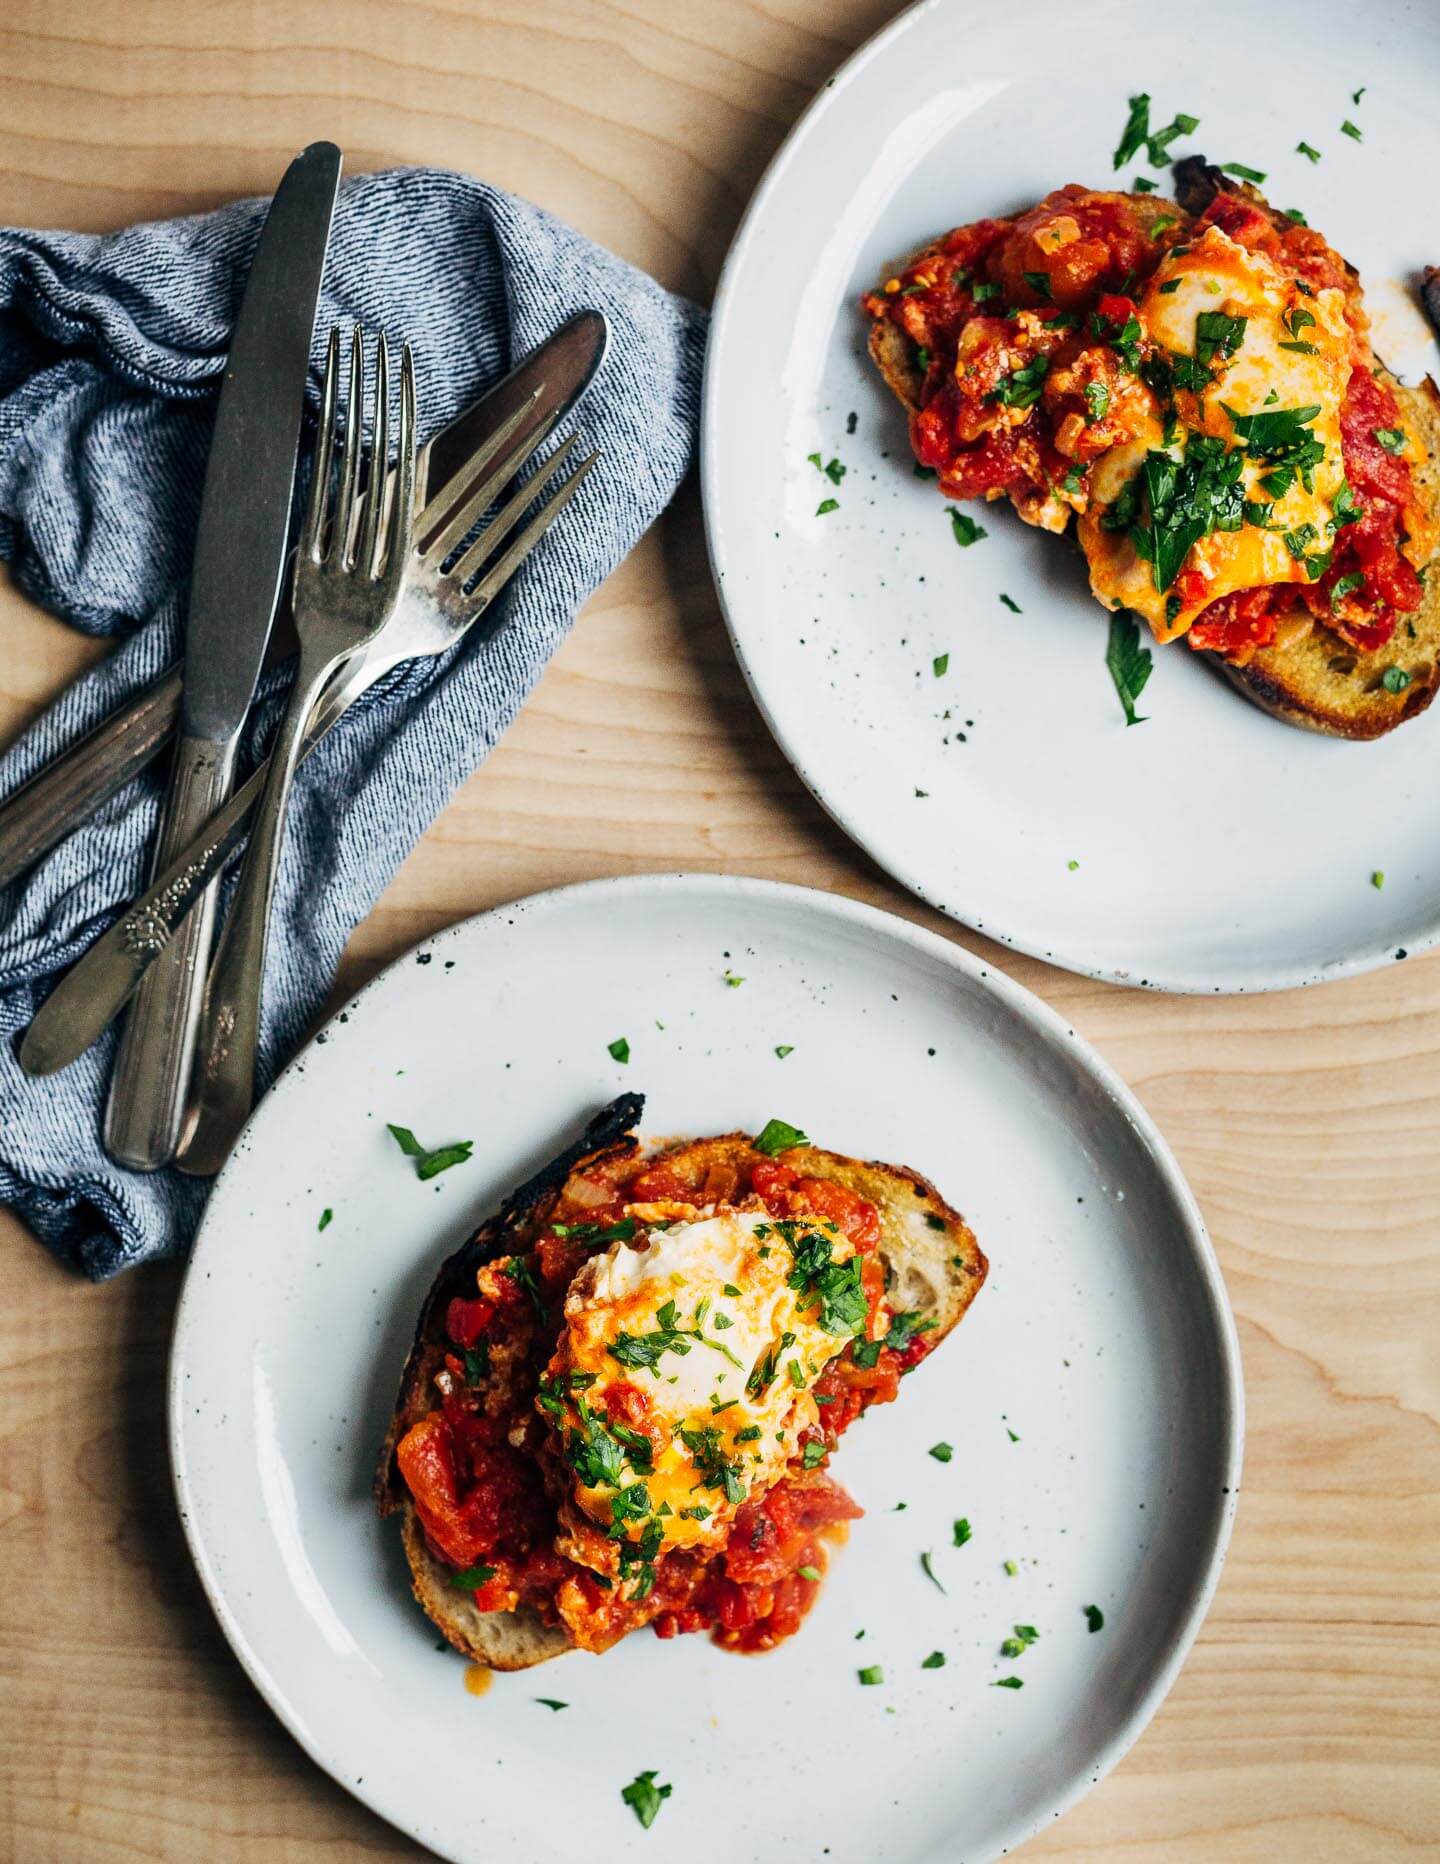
(240, 552)
(441, 602)
(348, 571)
(63, 794)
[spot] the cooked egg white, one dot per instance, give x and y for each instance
(1282, 361)
(688, 1320)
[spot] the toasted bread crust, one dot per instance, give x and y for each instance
(938, 1269)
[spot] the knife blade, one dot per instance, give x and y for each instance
(70, 789)
(240, 553)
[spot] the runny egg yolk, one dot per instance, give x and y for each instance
(683, 1378)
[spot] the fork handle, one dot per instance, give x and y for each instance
(223, 1088)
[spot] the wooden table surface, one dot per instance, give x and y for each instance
(1307, 1721)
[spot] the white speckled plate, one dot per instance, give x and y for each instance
(1102, 1342)
(1211, 849)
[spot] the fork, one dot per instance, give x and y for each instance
(346, 588)
(438, 609)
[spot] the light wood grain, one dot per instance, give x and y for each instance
(1305, 1723)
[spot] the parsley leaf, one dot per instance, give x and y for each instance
(1245, 174)
(962, 1532)
(644, 1798)
(1304, 148)
(777, 1136)
(1391, 438)
(326, 1216)
(1347, 128)
(1158, 143)
(942, 1452)
(550, 1702)
(473, 1577)
(1136, 131)
(871, 1675)
(1008, 1682)
(935, 1661)
(939, 664)
(1095, 1618)
(1097, 400)
(929, 1572)
(1128, 662)
(427, 1163)
(619, 1049)
(1021, 388)
(966, 530)
(826, 506)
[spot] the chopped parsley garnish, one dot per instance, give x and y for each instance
(939, 664)
(1008, 1682)
(1245, 174)
(1300, 349)
(797, 1378)
(813, 1455)
(1294, 213)
(782, 1049)
(519, 1271)
(1343, 586)
(473, 1577)
(1011, 1434)
(834, 471)
(1124, 338)
(1097, 397)
(428, 1163)
(935, 1661)
(1347, 128)
(1377, 879)
(1216, 334)
(1074, 480)
(477, 1363)
(1395, 679)
(812, 1573)
(619, 1049)
(732, 981)
(1158, 143)
(1391, 438)
(1011, 1569)
(929, 1572)
(826, 506)
(1346, 508)
(964, 528)
(924, 472)
(1128, 662)
(1021, 388)
(595, 1454)
(984, 291)
(778, 1136)
(1297, 319)
(1303, 148)
(835, 1285)
(1171, 284)
(962, 1532)
(551, 1702)
(1025, 1636)
(922, 361)
(715, 1469)
(1136, 131)
(326, 1217)
(1143, 185)
(644, 1798)
(1010, 603)
(1355, 96)
(729, 1286)
(1095, 1618)
(750, 1434)
(942, 1452)
(1039, 283)
(871, 1675)
(621, 1231)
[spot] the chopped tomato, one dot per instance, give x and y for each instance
(466, 1320)
(1236, 623)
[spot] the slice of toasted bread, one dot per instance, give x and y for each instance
(935, 1266)
(1316, 682)
(1320, 684)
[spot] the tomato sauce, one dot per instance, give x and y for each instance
(486, 1484)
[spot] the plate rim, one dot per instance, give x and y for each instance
(1055, 1031)
(1254, 980)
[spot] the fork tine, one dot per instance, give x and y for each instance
(379, 460)
(495, 580)
(324, 447)
(342, 529)
(510, 514)
(402, 505)
(480, 496)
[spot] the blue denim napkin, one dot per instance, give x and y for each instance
(111, 350)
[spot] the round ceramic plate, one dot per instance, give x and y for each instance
(1212, 848)
(1092, 1395)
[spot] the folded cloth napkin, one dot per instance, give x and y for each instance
(111, 351)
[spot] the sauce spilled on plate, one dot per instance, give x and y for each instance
(478, 1679)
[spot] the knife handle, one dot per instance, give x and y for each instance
(148, 1089)
(65, 792)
